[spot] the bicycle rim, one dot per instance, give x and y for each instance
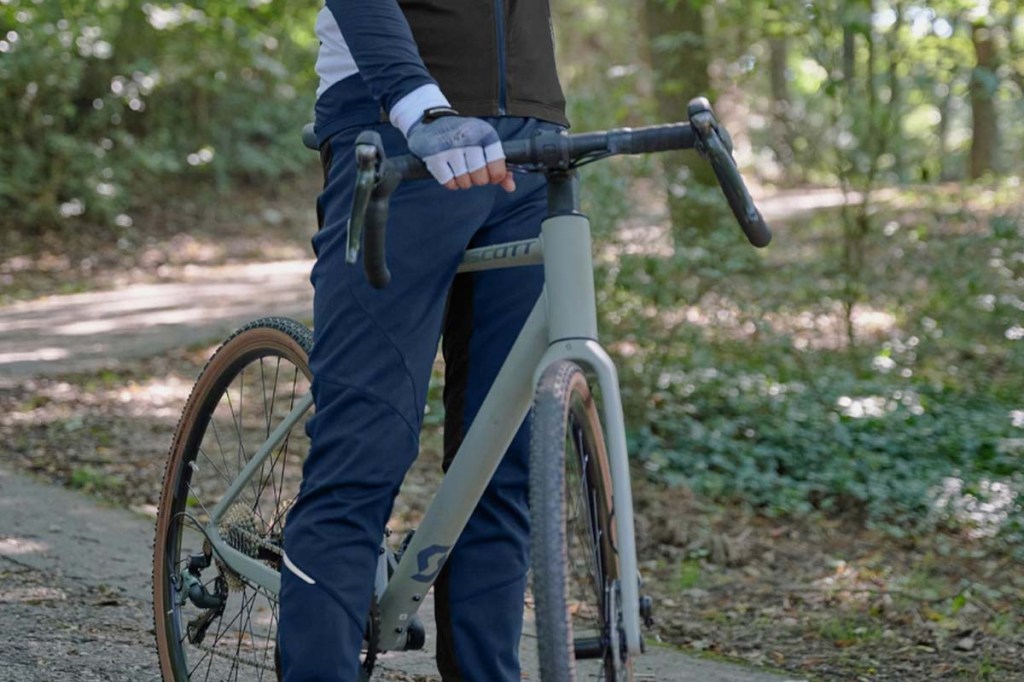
(253, 381)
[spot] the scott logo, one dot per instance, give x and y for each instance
(429, 562)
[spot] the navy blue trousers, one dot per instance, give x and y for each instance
(373, 351)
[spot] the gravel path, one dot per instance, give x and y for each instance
(75, 598)
(85, 332)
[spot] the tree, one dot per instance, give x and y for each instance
(678, 53)
(984, 120)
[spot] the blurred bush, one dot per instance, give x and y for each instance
(103, 102)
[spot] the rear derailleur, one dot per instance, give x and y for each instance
(190, 588)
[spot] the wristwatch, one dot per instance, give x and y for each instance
(433, 113)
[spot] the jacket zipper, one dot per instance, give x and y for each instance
(499, 21)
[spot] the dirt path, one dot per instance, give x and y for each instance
(85, 332)
(74, 587)
(75, 598)
(89, 331)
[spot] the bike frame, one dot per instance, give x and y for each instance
(562, 326)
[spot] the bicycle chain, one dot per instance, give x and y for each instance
(259, 541)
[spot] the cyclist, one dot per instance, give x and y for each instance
(446, 80)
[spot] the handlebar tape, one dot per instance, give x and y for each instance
(716, 146)
(650, 139)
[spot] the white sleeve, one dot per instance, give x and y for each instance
(410, 108)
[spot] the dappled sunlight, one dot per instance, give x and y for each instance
(18, 546)
(31, 594)
(982, 507)
(849, 583)
(871, 406)
(647, 231)
(878, 406)
(39, 355)
(826, 329)
(153, 398)
(102, 329)
(810, 329)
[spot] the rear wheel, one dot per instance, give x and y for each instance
(574, 560)
(212, 624)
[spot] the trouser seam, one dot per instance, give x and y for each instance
(405, 365)
(340, 384)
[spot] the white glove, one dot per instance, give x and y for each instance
(459, 151)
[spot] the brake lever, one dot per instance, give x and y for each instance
(367, 167)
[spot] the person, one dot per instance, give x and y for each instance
(446, 80)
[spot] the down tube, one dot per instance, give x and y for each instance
(593, 357)
(493, 429)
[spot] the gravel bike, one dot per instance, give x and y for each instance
(234, 467)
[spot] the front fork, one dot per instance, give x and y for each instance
(595, 359)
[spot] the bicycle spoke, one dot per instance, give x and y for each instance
(280, 516)
(259, 481)
(195, 495)
(586, 590)
(263, 383)
(221, 632)
(268, 409)
(238, 429)
(206, 654)
(272, 628)
(241, 631)
(209, 665)
(226, 478)
(252, 634)
(282, 453)
(220, 446)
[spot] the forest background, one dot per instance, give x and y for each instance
(864, 373)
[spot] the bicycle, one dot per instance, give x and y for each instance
(222, 510)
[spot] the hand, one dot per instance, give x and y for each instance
(461, 152)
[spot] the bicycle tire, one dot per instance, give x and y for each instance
(567, 440)
(191, 480)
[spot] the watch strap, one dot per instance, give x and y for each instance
(434, 113)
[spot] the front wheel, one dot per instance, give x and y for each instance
(573, 550)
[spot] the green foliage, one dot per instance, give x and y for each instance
(102, 102)
(839, 444)
(93, 480)
(689, 574)
(749, 391)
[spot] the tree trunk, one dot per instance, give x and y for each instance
(945, 174)
(984, 124)
(849, 56)
(778, 58)
(894, 116)
(949, 65)
(679, 58)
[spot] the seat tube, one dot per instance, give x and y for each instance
(568, 263)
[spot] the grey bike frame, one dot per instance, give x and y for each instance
(562, 326)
